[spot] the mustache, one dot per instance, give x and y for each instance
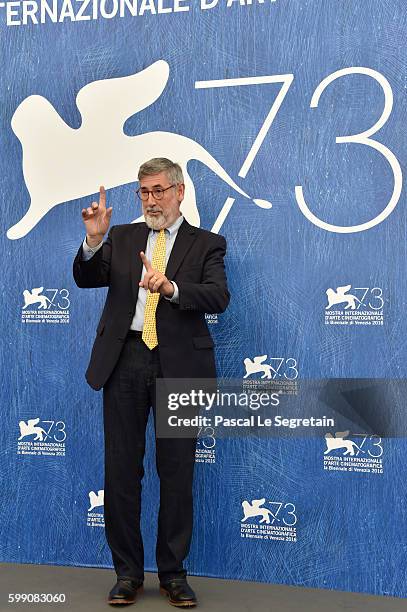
(153, 209)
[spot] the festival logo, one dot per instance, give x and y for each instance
(358, 453)
(271, 373)
(269, 520)
(96, 501)
(61, 163)
(45, 306)
(354, 306)
(41, 438)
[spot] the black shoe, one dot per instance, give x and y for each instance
(179, 593)
(124, 591)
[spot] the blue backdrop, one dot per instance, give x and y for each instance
(317, 280)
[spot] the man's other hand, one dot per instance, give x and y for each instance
(154, 280)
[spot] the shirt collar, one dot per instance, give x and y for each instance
(172, 229)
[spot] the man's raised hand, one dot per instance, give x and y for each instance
(97, 219)
(154, 280)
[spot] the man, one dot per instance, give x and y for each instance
(163, 276)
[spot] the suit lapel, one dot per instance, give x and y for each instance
(138, 243)
(183, 242)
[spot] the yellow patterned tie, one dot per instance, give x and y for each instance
(158, 263)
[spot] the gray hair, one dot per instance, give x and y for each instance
(162, 164)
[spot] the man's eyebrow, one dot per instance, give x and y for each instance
(154, 187)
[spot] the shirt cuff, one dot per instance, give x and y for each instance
(87, 251)
(175, 296)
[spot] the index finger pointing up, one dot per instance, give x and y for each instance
(102, 197)
(145, 261)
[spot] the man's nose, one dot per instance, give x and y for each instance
(150, 193)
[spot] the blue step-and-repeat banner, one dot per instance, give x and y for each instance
(288, 118)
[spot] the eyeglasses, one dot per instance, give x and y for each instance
(158, 193)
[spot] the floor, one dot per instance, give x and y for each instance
(86, 589)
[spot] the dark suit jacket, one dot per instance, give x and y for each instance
(195, 264)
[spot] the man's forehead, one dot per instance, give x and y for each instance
(154, 180)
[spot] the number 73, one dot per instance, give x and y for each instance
(363, 138)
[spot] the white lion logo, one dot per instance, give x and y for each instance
(333, 443)
(30, 429)
(256, 366)
(96, 499)
(253, 509)
(34, 297)
(339, 296)
(61, 163)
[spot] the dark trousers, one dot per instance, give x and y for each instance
(127, 398)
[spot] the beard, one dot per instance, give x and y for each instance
(155, 222)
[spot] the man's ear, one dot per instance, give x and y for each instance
(181, 191)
